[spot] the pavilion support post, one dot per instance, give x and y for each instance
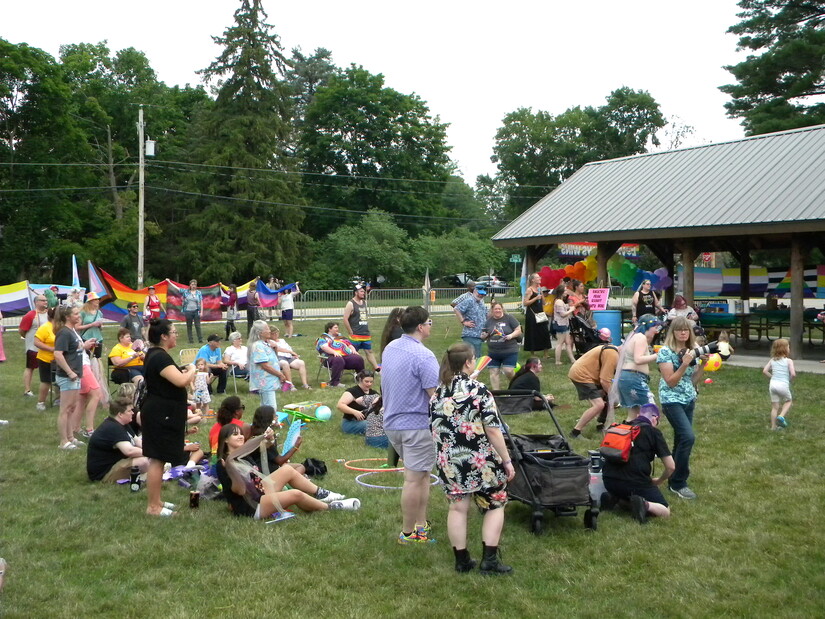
(688, 257)
(604, 251)
(797, 305)
(745, 281)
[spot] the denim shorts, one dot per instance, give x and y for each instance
(507, 360)
(634, 389)
(65, 383)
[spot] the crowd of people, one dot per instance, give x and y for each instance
(431, 415)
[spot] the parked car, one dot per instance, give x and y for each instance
(457, 280)
(493, 283)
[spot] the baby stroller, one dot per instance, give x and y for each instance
(585, 337)
(549, 476)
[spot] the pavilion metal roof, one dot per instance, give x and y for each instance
(762, 185)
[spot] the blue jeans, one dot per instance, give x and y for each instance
(680, 417)
(475, 342)
(354, 426)
(193, 317)
(381, 442)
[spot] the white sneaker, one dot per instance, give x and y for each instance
(4, 422)
(41, 406)
(348, 504)
(78, 443)
(68, 446)
(29, 394)
(332, 496)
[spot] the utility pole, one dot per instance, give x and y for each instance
(141, 196)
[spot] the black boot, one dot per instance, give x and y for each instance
(463, 562)
(490, 563)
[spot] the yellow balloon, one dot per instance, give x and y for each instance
(713, 363)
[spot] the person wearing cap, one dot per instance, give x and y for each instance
(192, 307)
(357, 324)
(631, 482)
(211, 353)
(75, 298)
(152, 307)
(472, 314)
(630, 388)
(133, 322)
(591, 375)
(29, 325)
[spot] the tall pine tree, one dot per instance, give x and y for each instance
(781, 85)
(244, 221)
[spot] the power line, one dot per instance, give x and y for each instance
(309, 207)
(31, 189)
(342, 187)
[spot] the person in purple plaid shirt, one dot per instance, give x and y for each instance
(409, 376)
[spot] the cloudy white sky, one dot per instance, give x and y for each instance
(472, 62)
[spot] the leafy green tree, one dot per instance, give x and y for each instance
(457, 251)
(365, 146)
(245, 220)
(41, 206)
(374, 246)
(779, 86)
(535, 152)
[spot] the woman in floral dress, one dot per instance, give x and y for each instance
(472, 457)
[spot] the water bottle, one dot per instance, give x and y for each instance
(134, 479)
(596, 481)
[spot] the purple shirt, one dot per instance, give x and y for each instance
(408, 368)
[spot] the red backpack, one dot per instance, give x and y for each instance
(618, 441)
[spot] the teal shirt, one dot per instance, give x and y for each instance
(91, 332)
(684, 392)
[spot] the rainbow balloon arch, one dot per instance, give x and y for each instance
(618, 267)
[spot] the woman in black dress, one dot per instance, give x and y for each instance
(536, 335)
(163, 413)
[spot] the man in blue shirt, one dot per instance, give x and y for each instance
(472, 314)
(211, 353)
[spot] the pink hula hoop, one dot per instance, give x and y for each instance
(348, 464)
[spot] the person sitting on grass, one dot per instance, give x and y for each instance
(230, 411)
(630, 482)
(114, 448)
(355, 400)
(263, 419)
(252, 495)
(338, 353)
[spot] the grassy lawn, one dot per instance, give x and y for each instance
(749, 546)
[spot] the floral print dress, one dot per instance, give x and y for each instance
(466, 461)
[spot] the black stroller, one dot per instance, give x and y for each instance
(549, 476)
(584, 336)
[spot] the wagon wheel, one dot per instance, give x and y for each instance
(591, 517)
(537, 523)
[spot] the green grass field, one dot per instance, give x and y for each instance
(753, 544)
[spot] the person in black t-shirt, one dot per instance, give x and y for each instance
(113, 448)
(631, 481)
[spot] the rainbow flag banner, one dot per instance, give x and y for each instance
(120, 295)
(268, 297)
(211, 301)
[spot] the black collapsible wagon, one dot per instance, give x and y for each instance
(549, 476)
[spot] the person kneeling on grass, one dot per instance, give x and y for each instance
(250, 494)
(113, 447)
(630, 481)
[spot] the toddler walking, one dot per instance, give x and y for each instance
(781, 371)
(200, 387)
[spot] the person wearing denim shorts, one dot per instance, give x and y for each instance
(502, 332)
(634, 377)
